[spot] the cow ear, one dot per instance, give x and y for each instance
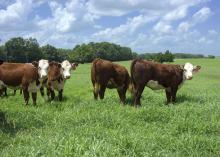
(1, 62)
(196, 68)
(73, 65)
(35, 63)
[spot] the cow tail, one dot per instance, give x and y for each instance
(93, 76)
(132, 71)
(132, 81)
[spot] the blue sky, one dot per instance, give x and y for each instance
(190, 26)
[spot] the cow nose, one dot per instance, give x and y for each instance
(43, 76)
(67, 77)
(190, 78)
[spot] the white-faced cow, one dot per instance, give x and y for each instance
(23, 76)
(159, 76)
(58, 73)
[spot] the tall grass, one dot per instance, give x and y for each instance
(81, 126)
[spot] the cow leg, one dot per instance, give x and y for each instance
(5, 90)
(52, 93)
(42, 91)
(1, 92)
(122, 94)
(137, 96)
(25, 92)
(173, 95)
(61, 95)
(26, 96)
(168, 95)
(48, 94)
(34, 98)
(96, 90)
(102, 91)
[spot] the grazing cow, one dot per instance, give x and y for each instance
(107, 74)
(57, 76)
(22, 76)
(159, 76)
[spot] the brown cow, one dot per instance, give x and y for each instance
(107, 74)
(58, 73)
(159, 76)
(18, 75)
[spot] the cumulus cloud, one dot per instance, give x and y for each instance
(127, 29)
(15, 13)
(142, 25)
(198, 17)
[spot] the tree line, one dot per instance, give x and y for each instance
(23, 50)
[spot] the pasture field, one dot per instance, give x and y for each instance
(81, 126)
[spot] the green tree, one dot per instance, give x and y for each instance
(50, 52)
(15, 48)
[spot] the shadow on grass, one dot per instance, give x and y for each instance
(188, 98)
(7, 126)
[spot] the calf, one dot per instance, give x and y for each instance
(107, 74)
(159, 76)
(57, 76)
(21, 76)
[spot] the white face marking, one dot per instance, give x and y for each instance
(154, 85)
(188, 71)
(43, 68)
(66, 69)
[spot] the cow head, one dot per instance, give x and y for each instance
(189, 70)
(43, 66)
(54, 72)
(74, 65)
(66, 69)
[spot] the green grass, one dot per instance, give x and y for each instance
(81, 126)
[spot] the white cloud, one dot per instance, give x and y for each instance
(149, 25)
(162, 27)
(15, 13)
(199, 17)
(127, 29)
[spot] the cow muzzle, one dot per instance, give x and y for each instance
(67, 77)
(190, 78)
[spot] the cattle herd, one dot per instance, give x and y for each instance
(33, 77)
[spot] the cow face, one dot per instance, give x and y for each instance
(43, 68)
(189, 69)
(66, 69)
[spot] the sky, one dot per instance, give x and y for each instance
(189, 26)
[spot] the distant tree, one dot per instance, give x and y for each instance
(211, 56)
(50, 52)
(3, 54)
(168, 56)
(104, 50)
(16, 49)
(32, 49)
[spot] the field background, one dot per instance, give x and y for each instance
(81, 126)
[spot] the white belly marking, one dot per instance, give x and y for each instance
(154, 85)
